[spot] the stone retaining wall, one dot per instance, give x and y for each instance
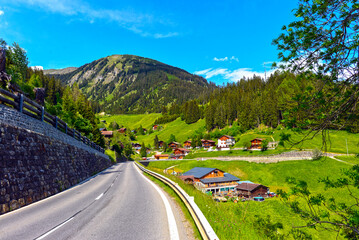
(35, 165)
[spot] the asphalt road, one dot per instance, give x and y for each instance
(118, 203)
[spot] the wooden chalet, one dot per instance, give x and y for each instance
(122, 130)
(187, 144)
(108, 134)
(179, 153)
(160, 144)
(251, 190)
(208, 143)
(256, 143)
(136, 146)
(161, 156)
(174, 145)
(211, 180)
(155, 127)
(225, 141)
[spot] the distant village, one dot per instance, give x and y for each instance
(212, 181)
(179, 151)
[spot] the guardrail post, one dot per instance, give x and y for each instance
(55, 122)
(42, 113)
(21, 102)
(66, 128)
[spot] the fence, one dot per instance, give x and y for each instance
(35, 110)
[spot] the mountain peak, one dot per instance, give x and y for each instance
(133, 84)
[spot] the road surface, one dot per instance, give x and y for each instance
(119, 203)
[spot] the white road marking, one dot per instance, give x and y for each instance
(171, 218)
(53, 230)
(99, 196)
(111, 185)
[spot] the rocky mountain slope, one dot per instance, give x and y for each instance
(132, 84)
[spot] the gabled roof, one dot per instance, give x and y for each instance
(182, 149)
(177, 143)
(198, 172)
(248, 186)
(189, 141)
(210, 141)
(227, 136)
(227, 178)
(260, 139)
(107, 133)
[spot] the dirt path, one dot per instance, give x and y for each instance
(286, 156)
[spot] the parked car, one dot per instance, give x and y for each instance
(258, 199)
(272, 194)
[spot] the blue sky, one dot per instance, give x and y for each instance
(220, 40)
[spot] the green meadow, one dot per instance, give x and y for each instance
(237, 220)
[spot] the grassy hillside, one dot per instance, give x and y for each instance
(183, 131)
(133, 121)
(227, 216)
(179, 128)
(336, 143)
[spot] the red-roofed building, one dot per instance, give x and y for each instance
(108, 134)
(225, 141)
(256, 143)
(180, 152)
(188, 144)
(208, 143)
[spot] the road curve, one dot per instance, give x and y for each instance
(118, 203)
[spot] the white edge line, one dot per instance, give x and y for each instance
(53, 230)
(170, 216)
(99, 196)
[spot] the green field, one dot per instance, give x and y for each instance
(235, 220)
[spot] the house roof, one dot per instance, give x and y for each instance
(198, 172)
(227, 136)
(260, 139)
(188, 141)
(210, 141)
(182, 149)
(248, 186)
(107, 133)
(227, 178)
(177, 143)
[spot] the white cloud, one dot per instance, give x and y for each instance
(220, 59)
(234, 59)
(1, 12)
(129, 20)
(225, 59)
(233, 75)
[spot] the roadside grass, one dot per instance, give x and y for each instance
(349, 159)
(236, 220)
(174, 195)
(111, 154)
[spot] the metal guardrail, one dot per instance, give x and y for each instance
(35, 110)
(200, 220)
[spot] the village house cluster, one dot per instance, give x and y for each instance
(216, 182)
(179, 151)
